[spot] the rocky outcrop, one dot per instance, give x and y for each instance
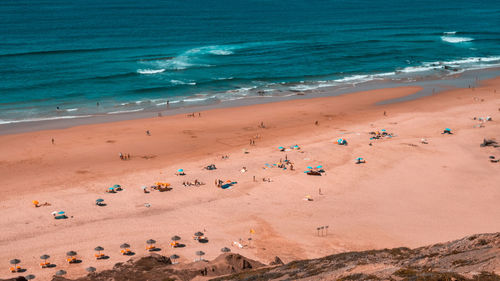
(157, 267)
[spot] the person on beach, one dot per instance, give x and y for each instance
(148, 133)
(121, 156)
(53, 140)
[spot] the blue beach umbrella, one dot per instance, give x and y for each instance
(60, 213)
(116, 185)
(309, 167)
(99, 200)
(180, 170)
(340, 141)
(359, 158)
(447, 129)
(319, 167)
(383, 130)
(281, 147)
(111, 188)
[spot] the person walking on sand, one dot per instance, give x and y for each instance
(148, 133)
(121, 156)
(53, 140)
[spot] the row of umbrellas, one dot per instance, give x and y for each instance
(99, 248)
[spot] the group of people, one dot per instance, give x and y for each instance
(124, 156)
(195, 183)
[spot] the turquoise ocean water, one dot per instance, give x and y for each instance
(59, 58)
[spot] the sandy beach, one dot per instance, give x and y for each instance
(406, 194)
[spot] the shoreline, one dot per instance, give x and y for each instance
(407, 193)
(429, 86)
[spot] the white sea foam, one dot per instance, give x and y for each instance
(179, 82)
(421, 68)
(195, 99)
(71, 109)
(42, 119)
(453, 39)
(126, 111)
(150, 71)
(450, 33)
(221, 52)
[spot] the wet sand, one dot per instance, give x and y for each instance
(408, 193)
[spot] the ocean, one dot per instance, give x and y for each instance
(63, 59)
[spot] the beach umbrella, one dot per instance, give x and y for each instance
(383, 130)
(200, 253)
(359, 158)
(71, 254)
(117, 186)
(90, 269)
(180, 170)
(309, 167)
(45, 257)
(124, 246)
(176, 238)
(319, 167)
(60, 272)
(29, 277)
(281, 148)
(151, 242)
(60, 213)
(111, 188)
(54, 213)
(225, 250)
(15, 261)
(199, 233)
(99, 200)
(174, 257)
(99, 249)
